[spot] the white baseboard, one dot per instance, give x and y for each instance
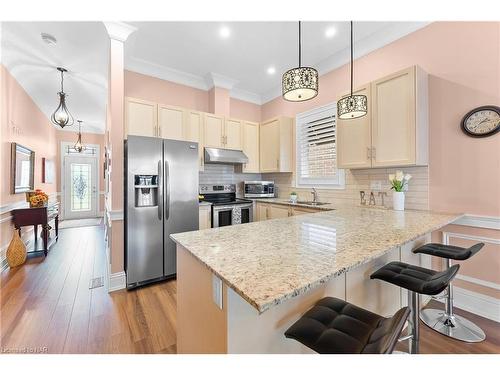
(117, 281)
(476, 303)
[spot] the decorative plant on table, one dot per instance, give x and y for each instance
(38, 198)
(399, 183)
(293, 197)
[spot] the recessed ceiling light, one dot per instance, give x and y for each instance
(330, 32)
(224, 32)
(271, 70)
(49, 39)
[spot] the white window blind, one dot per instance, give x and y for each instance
(316, 148)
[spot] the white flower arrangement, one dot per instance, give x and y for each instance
(399, 181)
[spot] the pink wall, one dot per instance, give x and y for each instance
(464, 172)
(165, 92)
(219, 101)
(244, 110)
(23, 122)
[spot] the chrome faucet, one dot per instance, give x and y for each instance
(315, 195)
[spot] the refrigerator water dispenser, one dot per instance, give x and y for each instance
(146, 190)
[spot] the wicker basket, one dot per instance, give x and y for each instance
(16, 252)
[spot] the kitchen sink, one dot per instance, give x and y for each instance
(311, 203)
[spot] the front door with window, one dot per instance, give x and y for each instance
(80, 187)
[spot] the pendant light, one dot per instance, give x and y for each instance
(61, 115)
(301, 83)
(79, 147)
(352, 106)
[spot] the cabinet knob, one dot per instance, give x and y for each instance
(368, 153)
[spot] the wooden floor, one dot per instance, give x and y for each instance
(46, 306)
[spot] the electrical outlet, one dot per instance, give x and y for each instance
(375, 185)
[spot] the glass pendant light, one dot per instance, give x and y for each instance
(79, 147)
(352, 106)
(300, 84)
(61, 115)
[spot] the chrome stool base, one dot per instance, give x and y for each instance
(453, 326)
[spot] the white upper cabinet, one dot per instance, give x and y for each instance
(395, 130)
(354, 139)
(233, 136)
(250, 132)
(171, 122)
(140, 117)
(277, 145)
(213, 130)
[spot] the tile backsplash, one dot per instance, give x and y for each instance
(417, 196)
(226, 174)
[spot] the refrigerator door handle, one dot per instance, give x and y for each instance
(167, 191)
(160, 189)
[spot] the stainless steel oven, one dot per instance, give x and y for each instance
(259, 189)
(226, 208)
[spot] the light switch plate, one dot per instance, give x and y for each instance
(375, 185)
(217, 291)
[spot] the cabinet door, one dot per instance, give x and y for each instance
(278, 212)
(171, 122)
(205, 220)
(213, 131)
(393, 119)
(251, 146)
(261, 211)
(194, 132)
(270, 146)
(233, 134)
(354, 138)
(140, 117)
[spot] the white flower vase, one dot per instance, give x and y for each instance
(293, 198)
(398, 201)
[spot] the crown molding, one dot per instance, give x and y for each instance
(246, 96)
(119, 30)
(361, 48)
(141, 66)
(219, 81)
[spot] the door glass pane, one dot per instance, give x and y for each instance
(81, 197)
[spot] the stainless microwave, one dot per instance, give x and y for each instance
(259, 189)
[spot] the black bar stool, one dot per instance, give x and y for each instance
(334, 326)
(416, 280)
(446, 322)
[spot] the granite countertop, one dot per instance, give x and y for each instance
(271, 261)
(285, 202)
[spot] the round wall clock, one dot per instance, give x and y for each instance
(482, 121)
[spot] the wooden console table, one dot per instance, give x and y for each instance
(38, 216)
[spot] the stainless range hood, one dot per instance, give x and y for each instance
(224, 156)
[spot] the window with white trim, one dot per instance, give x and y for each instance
(317, 149)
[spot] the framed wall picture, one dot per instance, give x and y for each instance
(22, 169)
(48, 171)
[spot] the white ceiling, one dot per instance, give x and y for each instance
(184, 52)
(82, 48)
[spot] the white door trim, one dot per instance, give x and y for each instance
(63, 145)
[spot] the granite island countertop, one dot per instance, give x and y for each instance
(271, 261)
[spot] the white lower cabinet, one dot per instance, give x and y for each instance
(205, 220)
(376, 296)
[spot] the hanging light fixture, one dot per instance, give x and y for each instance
(352, 106)
(61, 115)
(300, 84)
(79, 147)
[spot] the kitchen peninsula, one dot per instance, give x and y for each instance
(240, 287)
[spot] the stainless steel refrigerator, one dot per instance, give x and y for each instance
(161, 198)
